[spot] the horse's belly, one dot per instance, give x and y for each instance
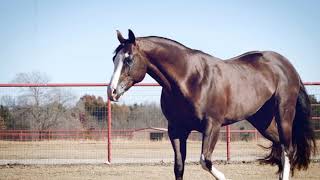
(246, 104)
(179, 112)
(239, 112)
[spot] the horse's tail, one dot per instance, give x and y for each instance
(303, 138)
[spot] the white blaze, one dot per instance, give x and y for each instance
(118, 62)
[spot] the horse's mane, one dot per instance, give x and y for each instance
(164, 40)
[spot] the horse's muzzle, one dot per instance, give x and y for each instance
(112, 94)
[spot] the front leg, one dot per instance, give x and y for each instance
(178, 140)
(209, 140)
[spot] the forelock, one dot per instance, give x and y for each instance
(117, 50)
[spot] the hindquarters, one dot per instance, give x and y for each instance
(302, 142)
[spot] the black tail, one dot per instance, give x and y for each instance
(303, 138)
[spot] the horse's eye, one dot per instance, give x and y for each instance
(128, 61)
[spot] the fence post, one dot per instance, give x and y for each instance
(228, 138)
(109, 131)
(256, 135)
(20, 135)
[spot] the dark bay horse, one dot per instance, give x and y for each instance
(201, 92)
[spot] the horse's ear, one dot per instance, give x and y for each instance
(132, 38)
(120, 37)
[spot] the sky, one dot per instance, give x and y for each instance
(72, 41)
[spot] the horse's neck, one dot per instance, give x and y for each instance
(164, 63)
(174, 66)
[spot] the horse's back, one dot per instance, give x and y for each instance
(251, 55)
(267, 64)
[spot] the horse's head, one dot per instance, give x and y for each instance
(130, 66)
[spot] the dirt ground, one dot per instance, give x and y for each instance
(58, 156)
(70, 152)
(131, 151)
(238, 171)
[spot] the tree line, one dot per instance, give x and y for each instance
(42, 108)
(89, 113)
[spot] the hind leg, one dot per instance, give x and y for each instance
(279, 153)
(284, 119)
(264, 121)
(267, 128)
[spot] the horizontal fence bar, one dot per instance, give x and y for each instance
(73, 133)
(94, 84)
(54, 85)
(68, 84)
(114, 130)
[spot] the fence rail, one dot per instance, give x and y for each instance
(106, 135)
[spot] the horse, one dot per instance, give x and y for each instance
(203, 93)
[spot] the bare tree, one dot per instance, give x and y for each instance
(41, 108)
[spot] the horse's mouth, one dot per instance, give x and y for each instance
(115, 97)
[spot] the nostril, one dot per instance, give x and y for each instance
(114, 91)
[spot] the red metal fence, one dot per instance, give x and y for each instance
(105, 134)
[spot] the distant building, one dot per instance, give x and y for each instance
(151, 133)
